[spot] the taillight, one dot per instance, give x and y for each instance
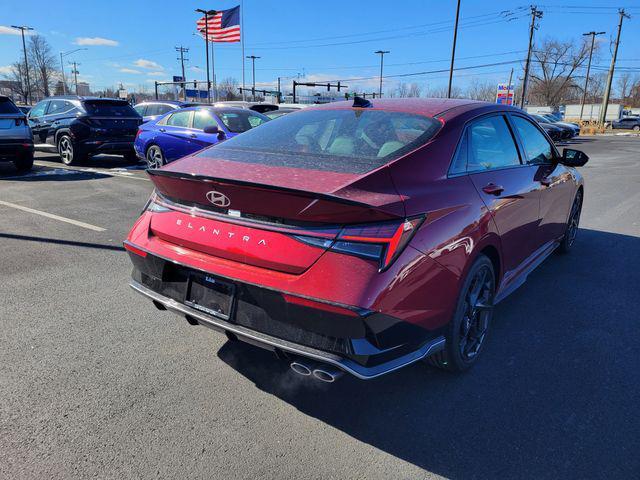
(383, 241)
(138, 133)
(21, 121)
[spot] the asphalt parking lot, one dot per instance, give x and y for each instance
(95, 382)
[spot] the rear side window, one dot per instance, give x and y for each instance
(58, 106)
(39, 109)
(536, 146)
(7, 106)
(459, 164)
(203, 118)
(239, 121)
(101, 108)
(340, 140)
(179, 119)
(491, 145)
(140, 109)
(158, 109)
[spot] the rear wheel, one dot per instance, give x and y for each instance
(467, 330)
(572, 225)
(636, 128)
(24, 162)
(155, 158)
(69, 154)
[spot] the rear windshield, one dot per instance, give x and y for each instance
(7, 106)
(350, 141)
(103, 108)
(238, 121)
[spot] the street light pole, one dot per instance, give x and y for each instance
(453, 50)
(64, 54)
(253, 70)
(586, 80)
(381, 53)
(22, 29)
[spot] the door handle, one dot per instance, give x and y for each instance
(193, 135)
(493, 189)
(546, 181)
(162, 130)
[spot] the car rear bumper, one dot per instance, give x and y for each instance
(12, 148)
(278, 344)
(363, 343)
(117, 147)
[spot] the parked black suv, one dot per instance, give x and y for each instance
(78, 127)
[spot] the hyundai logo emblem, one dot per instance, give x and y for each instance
(218, 199)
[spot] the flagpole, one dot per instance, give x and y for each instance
(213, 74)
(242, 40)
(206, 42)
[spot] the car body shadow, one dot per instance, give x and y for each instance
(44, 174)
(554, 395)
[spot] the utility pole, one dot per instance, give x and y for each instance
(279, 91)
(253, 69)
(509, 88)
(206, 14)
(22, 29)
(453, 50)
(535, 13)
(64, 54)
(586, 80)
(182, 50)
(75, 74)
(607, 91)
(381, 53)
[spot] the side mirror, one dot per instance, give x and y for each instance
(573, 158)
(211, 129)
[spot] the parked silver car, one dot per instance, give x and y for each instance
(16, 139)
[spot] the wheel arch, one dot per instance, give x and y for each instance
(60, 132)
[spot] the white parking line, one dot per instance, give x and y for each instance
(110, 172)
(55, 217)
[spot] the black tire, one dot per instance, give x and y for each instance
(154, 157)
(636, 128)
(573, 222)
(69, 153)
(131, 158)
(468, 329)
(24, 162)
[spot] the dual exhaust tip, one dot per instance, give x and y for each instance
(324, 373)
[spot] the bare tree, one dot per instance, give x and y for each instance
(634, 92)
(441, 92)
(403, 90)
(414, 90)
(17, 80)
(228, 89)
(481, 90)
(624, 84)
(44, 64)
(554, 73)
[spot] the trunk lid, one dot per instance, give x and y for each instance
(264, 215)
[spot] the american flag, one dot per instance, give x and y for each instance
(224, 26)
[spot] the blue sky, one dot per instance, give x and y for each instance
(133, 41)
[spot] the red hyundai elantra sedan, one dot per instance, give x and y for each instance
(359, 237)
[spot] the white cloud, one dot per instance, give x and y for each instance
(148, 64)
(156, 74)
(195, 69)
(130, 70)
(12, 31)
(6, 70)
(96, 41)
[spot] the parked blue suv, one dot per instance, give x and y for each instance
(187, 130)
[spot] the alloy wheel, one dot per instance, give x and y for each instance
(154, 157)
(478, 308)
(574, 221)
(65, 148)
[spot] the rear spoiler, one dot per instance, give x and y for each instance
(205, 178)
